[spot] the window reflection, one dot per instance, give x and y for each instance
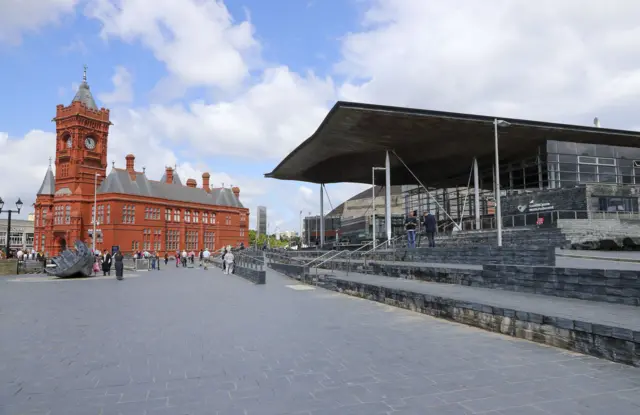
(569, 164)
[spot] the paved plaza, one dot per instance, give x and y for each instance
(186, 341)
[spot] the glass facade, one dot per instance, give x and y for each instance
(570, 164)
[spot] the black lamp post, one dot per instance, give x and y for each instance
(19, 207)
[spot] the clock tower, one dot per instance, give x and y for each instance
(82, 132)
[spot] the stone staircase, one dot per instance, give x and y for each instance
(515, 237)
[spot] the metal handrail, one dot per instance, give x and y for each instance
(289, 258)
(317, 258)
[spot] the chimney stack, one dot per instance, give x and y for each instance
(130, 163)
(205, 182)
(169, 173)
(191, 183)
(236, 191)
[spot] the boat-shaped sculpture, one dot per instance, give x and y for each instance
(70, 264)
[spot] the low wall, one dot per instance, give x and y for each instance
(612, 343)
(478, 255)
(471, 254)
(255, 275)
(611, 286)
(8, 266)
(579, 231)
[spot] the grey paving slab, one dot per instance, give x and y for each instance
(189, 341)
(616, 315)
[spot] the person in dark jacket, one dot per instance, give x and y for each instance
(106, 264)
(410, 225)
(118, 258)
(430, 227)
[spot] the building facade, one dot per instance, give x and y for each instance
(132, 212)
(22, 235)
(261, 226)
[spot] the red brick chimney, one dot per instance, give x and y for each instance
(131, 163)
(205, 182)
(131, 166)
(191, 183)
(236, 191)
(169, 174)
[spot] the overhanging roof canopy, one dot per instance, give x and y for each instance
(437, 146)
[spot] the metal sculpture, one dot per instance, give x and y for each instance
(69, 263)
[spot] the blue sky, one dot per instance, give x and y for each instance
(232, 87)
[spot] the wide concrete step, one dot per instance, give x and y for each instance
(610, 331)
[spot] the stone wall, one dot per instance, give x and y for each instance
(612, 343)
(480, 253)
(578, 231)
(611, 286)
(255, 275)
(468, 255)
(511, 237)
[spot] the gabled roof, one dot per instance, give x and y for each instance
(176, 178)
(119, 181)
(84, 96)
(48, 186)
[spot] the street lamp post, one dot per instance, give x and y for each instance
(373, 205)
(95, 211)
(300, 235)
(498, 123)
(9, 211)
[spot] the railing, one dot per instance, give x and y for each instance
(389, 243)
(308, 264)
(288, 258)
(247, 261)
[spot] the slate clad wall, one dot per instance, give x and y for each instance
(524, 238)
(574, 198)
(612, 286)
(478, 255)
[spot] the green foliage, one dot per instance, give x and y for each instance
(271, 241)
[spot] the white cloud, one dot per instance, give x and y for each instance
(122, 88)
(551, 60)
(563, 61)
(197, 41)
(27, 157)
(20, 16)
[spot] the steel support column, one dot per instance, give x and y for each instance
(476, 192)
(387, 198)
(321, 216)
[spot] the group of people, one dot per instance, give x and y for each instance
(105, 261)
(429, 224)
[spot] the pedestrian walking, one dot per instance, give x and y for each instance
(106, 264)
(228, 260)
(118, 258)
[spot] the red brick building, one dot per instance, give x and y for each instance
(134, 213)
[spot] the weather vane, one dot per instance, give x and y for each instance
(84, 75)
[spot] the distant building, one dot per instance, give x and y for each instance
(261, 226)
(21, 234)
(352, 220)
(134, 212)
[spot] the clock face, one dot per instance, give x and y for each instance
(69, 143)
(90, 143)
